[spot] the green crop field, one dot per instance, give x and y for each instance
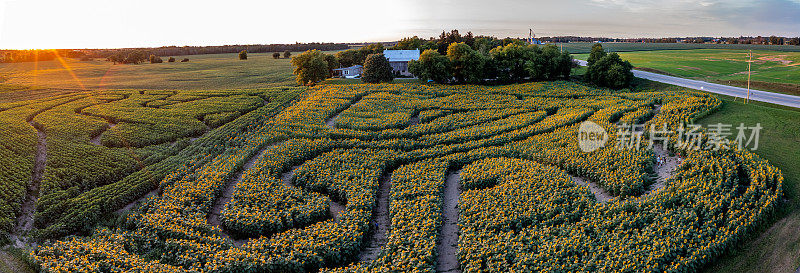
(771, 70)
(583, 48)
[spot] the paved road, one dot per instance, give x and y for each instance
(756, 95)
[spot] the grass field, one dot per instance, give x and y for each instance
(583, 48)
(771, 70)
(207, 72)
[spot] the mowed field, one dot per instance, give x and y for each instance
(347, 177)
(777, 71)
(202, 72)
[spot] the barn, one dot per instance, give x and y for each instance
(398, 60)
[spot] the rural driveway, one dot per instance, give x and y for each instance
(756, 95)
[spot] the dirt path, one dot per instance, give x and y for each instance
(25, 221)
(665, 164)
(96, 139)
(335, 207)
(130, 205)
(664, 168)
(331, 121)
(414, 120)
(380, 221)
(447, 247)
(601, 195)
(227, 194)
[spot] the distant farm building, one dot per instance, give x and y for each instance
(348, 72)
(398, 60)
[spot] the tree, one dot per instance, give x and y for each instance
(310, 67)
(409, 43)
(610, 71)
(348, 58)
(276, 55)
(332, 64)
(596, 54)
(795, 41)
(549, 64)
(135, 57)
(155, 59)
(447, 38)
(243, 55)
(377, 69)
(287, 54)
(431, 66)
(467, 64)
(510, 62)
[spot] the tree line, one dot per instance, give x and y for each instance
(15, 56)
(198, 50)
(758, 40)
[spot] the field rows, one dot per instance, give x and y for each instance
(261, 193)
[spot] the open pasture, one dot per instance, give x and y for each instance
(202, 72)
(361, 178)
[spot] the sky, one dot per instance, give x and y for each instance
(29, 24)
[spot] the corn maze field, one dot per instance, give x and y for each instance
(370, 178)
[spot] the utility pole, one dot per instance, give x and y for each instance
(749, 62)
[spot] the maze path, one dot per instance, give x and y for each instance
(381, 222)
(447, 246)
(227, 193)
(25, 221)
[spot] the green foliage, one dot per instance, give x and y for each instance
(128, 57)
(510, 62)
(467, 64)
(155, 59)
(610, 71)
(243, 55)
(549, 64)
(596, 54)
(311, 67)
(377, 69)
(408, 43)
(431, 66)
(216, 119)
(332, 63)
(352, 57)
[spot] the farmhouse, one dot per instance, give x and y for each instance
(348, 72)
(398, 60)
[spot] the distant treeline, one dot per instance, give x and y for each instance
(141, 54)
(197, 50)
(758, 40)
(14, 56)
